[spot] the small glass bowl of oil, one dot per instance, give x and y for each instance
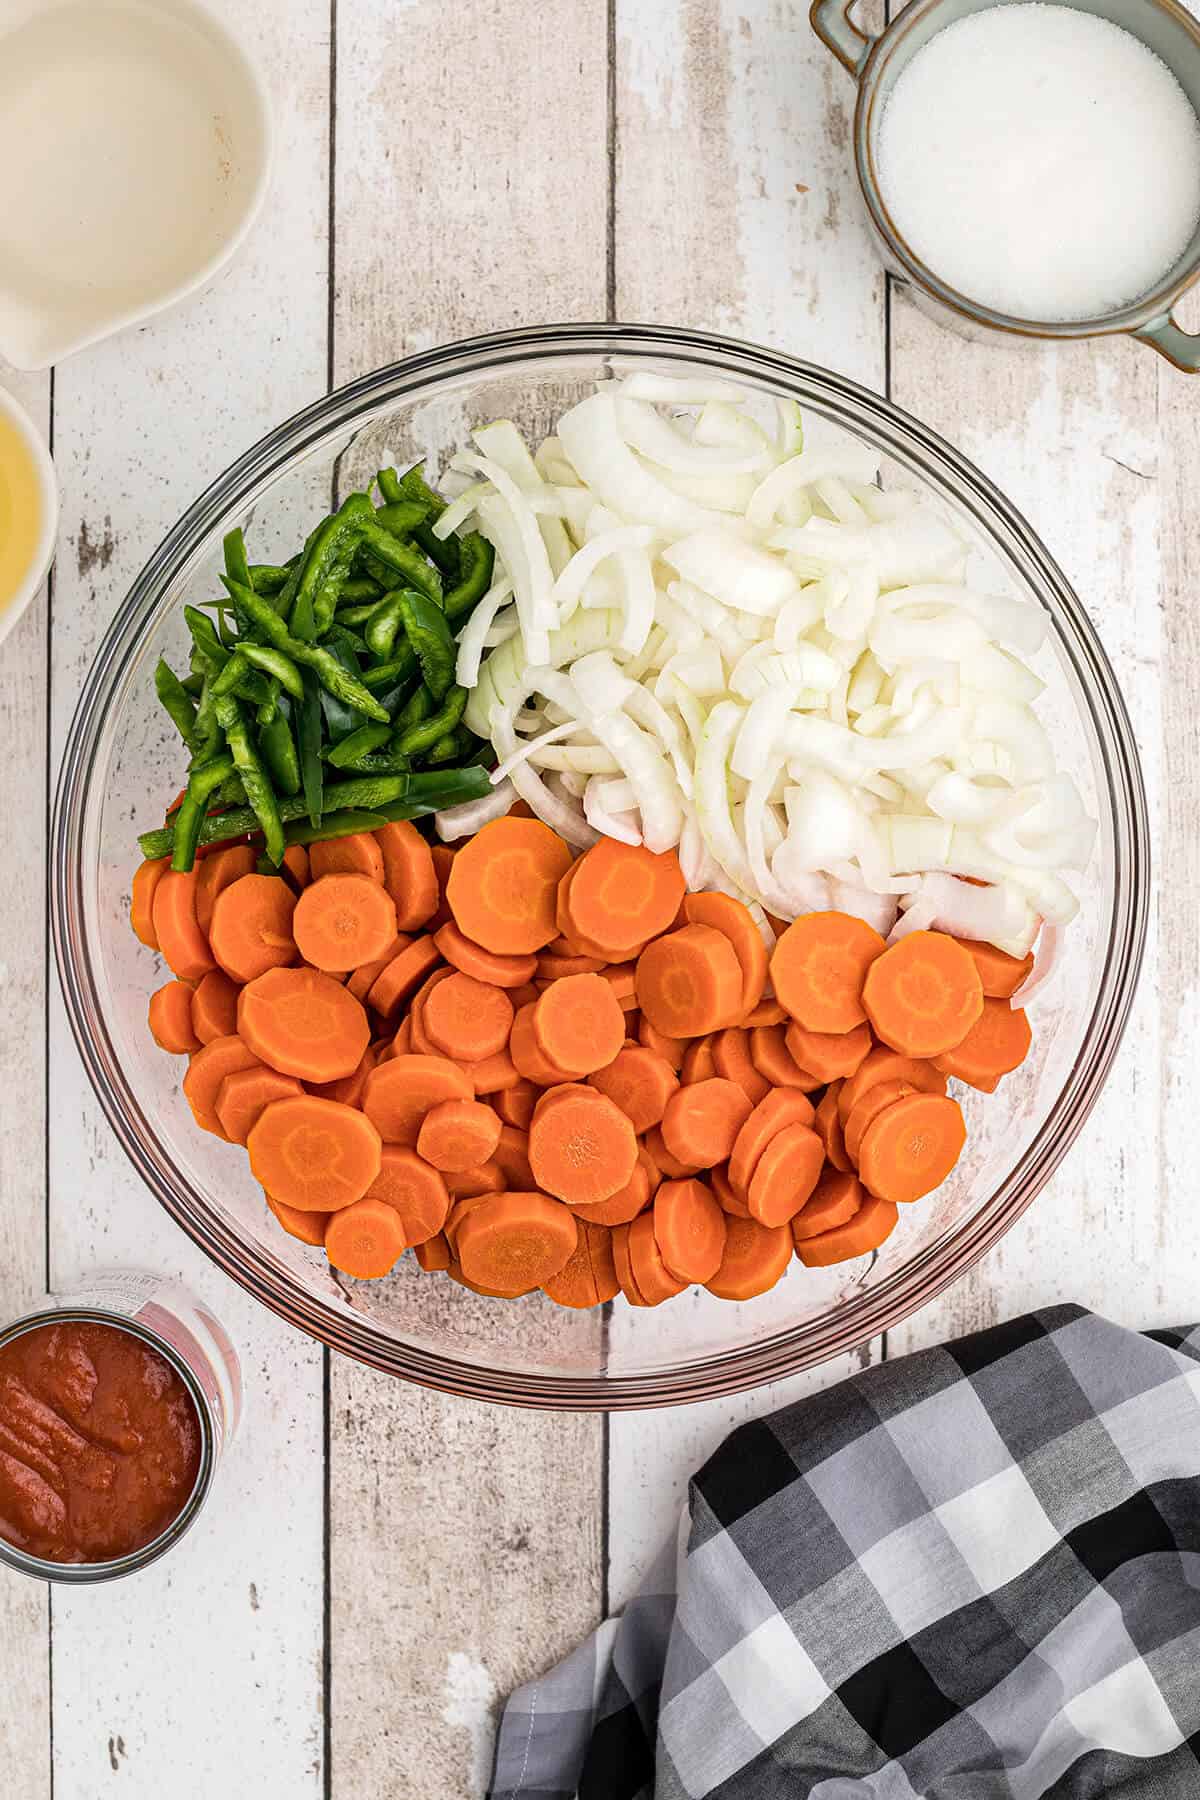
(28, 511)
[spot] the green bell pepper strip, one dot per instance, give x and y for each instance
(415, 710)
(382, 624)
(308, 738)
(413, 486)
(269, 708)
(207, 647)
(425, 734)
(400, 517)
(203, 782)
(341, 719)
(278, 749)
(398, 669)
(357, 615)
(335, 679)
(274, 663)
(266, 579)
(383, 762)
(193, 684)
(478, 560)
(237, 677)
(430, 636)
(329, 551)
(452, 748)
(345, 753)
(404, 559)
(259, 792)
(177, 703)
(237, 566)
(232, 791)
(358, 590)
(333, 825)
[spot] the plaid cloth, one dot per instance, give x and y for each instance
(972, 1574)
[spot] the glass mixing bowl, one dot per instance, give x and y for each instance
(123, 762)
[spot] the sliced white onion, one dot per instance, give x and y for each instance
(1047, 958)
(471, 816)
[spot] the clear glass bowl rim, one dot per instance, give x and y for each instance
(856, 409)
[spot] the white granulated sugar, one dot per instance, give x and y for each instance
(1042, 162)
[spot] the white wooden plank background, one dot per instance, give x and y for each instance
(380, 1563)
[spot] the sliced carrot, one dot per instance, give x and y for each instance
(689, 1228)
(342, 921)
(314, 1154)
(774, 1061)
(622, 979)
(582, 1148)
(483, 965)
(829, 1055)
(527, 1055)
(872, 1103)
(525, 995)
(623, 894)
(303, 1023)
(503, 886)
(214, 1007)
(251, 928)
(401, 1044)
(624, 1205)
(180, 939)
(363, 979)
(409, 874)
(443, 862)
(207, 1069)
(245, 1093)
(171, 1019)
(515, 1104)
(888, 1065)
(777, 1110)
(348, 1088)
(834, 1201)
(699, 1063)
(667, 1165)
(655, 1281)
(726, 1196)
(511, 1157)
(465, 1018)
(785, 1175)
(296, 867)
(874, 1221)
(588, 1278)
(702, 1121)
(400, 1092)
(689, 981)
(416, 1191)
(487, 1178)
(227, 864)
(489, 1293)
(365, 1240)
(402, 976)
(433, 1256)
(146, 878)
(578, 1024)
(731, 1055)
(671, 1049)
(1000, 975)
(909, 1149)
(733, 920)
(309, 1227)
(516, 1241)
(754, 1258)
(997, 1043)
(356, 854)
(828, 1125)
(459, 1209)
(458, 1134)
(818, 968)
(553, 968)
(923, 994)
(622, 1268)
(640, 1082)
(767, 1012)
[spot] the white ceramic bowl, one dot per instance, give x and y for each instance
(47, 485)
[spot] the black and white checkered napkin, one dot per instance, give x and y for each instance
(973, 1574)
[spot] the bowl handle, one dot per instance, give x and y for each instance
(831, 21)
(1170, 340)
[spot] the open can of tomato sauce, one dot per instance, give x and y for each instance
(117, 1401)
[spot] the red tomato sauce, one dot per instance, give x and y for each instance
(99, 1443)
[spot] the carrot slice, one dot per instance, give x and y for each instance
(640, 1082)
(582, 1148)
(348, 1088)
(356, 854)
(296, 867)
(731, 1055)
(997, 1043)
(624, 1205)
(874, 1221)
(251, 928)
(309, 1227)
(526, 1053)
(180, 939)
(525, 995)
(620, 895)
(1000, 975)
(409, 874)
(910, 1147)
(487, 1178)
(777, 1110)
(342, 921)
(412, 1188)
(483, 965)
(465, 1018)
(767, 1012)
(923, 995)
(433, 1256)
(702, 1121)
(622, 1268)
(226, 864)
(314, 1154)
(243, 1095)
(734, 921)
(443, 862)
(363, 979)
(828, 1126)
(730, 1202)
(214, 1007)
(515, 1104)
(888, 1065)
(146, 878)
(754, 1258)
(504, 883)
(829, 1055)
(671, 1049)
(785, 1175)
(689, 981)
(654, 1281)
(513, 1242)
(689, 1229)
(818, 968)
(458, 1134)
(400, 1092)
(578, 1024)
(834, 1201)
(774, 1061)
(171, 1019)
(871, 1104)
(402, 976)
(489, 1293)
(622, 979)
(666, 1164)
(588, 1278)
(365, 1240)
(699, 1063)
(303, 1023)
(206, 1071)
(553, 968)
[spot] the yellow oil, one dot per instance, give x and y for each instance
(20, 510)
